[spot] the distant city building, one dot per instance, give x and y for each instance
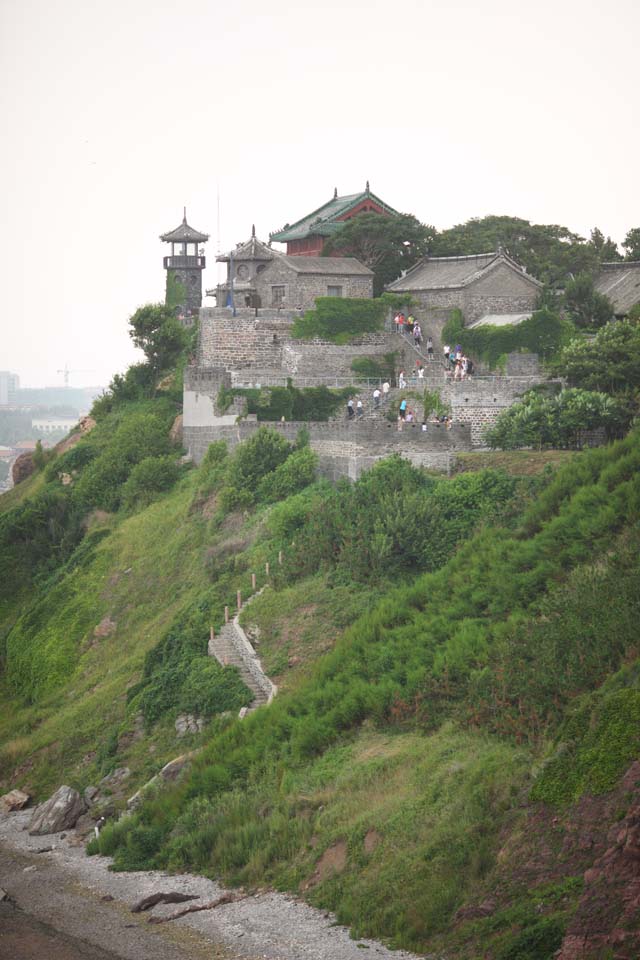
(620, 282)
(184, 268)
(9, 384)
(306, 237)
(53, 424)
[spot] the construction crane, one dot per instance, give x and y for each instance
(67, 373)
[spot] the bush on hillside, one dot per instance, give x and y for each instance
(297, 472)
(137, 437)
(540, 420)
(208, 688)
(609, 362)
(394, 520)
(255, 458)
(148, 480)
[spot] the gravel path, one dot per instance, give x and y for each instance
(64, 889)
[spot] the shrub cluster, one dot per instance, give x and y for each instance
(340, 319)
(292, 403)
(542, 420)
(543, 333)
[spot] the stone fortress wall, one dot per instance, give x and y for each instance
(345, 449)
(258, 349)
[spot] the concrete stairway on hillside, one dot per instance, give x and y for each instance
(231, 647)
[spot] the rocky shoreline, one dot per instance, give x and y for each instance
(89, 908)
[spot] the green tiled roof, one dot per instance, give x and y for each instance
(324, 221)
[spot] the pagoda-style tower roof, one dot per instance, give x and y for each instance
(252, 249)
(328, 218)
(184, 233)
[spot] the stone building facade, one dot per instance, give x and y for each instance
(490, 283)
(260, 277)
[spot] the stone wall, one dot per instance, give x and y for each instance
(523, 365)
(480, 401)
(346, 449)
(227, 341)
(317, 357)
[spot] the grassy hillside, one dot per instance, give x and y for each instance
(455, 658)
(423, 728)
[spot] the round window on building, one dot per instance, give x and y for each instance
(242, 271)
(261, 267)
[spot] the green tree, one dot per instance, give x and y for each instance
(586, 307)
(155, 330)
(542, 420)
(387, 245)
(253, 460)
(631, 244)
(548, 251)
(610, 362)
(605, 250)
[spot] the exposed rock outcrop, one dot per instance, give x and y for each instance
(59, 812)
(175, 434)
(23, 467)
(14, 800)
(187, 723)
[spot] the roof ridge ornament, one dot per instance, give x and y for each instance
(367, 190)
(253, 229)
(335, 193)
(184, 214)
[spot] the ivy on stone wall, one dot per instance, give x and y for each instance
(544, 333)
(176, 291)
(292, 403)
(340, 319)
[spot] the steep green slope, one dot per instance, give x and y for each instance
(456, 684)
(453, 655)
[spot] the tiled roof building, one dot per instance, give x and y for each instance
(306, 237)
(478, 285)
(620, 282)
(263, 277)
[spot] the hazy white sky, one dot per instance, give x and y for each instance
(117, 114)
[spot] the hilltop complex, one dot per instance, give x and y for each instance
(247, 340)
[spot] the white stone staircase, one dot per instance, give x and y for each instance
(231, 647)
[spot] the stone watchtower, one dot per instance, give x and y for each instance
(184, 270)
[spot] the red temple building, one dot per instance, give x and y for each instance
(307, 236)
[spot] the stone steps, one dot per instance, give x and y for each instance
(231, 647)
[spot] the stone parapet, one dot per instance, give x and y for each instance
(347, 449)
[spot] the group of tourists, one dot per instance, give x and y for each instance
(355, 409)
(411, 328)
(457, 365)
